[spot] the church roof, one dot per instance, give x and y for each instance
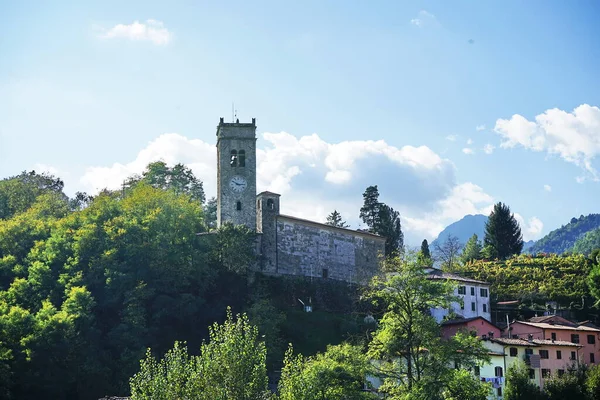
(267, 192)
(331, 227)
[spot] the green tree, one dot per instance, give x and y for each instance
(567, 386)
(335, 219)
(178, 178)
(370, 211)
(231, 365)
(518, 384)
(338, 374)
(388, 225)
(462, 385)
(234, 247)
(503, 236)
(472, 250)
(210, 213)
(411, 355)
(424, 256)
(425, 249)
(592, 383)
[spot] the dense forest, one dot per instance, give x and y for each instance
(565, 238)
(88, 284)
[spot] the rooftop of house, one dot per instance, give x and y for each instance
(331, 227)
(463, 321)
(439, 274)
(533, 342)
(553, 325)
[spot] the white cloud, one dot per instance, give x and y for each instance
(468, 150)
(423, 18)
(580, 179)
(547, 188)
(480, 128)
(573, 136)
(451, 138)
(152, 30)
(315, 177)
(531, 229)
(469, 141)
(488, 149)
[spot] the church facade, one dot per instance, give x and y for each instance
(287, 245)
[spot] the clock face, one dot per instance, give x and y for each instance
(238, 184)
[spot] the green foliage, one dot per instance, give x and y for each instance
(19, 193)
(448, 253)
(369, 212)
(389, 227)
(518, 384)
(335, 219)
(411, 355)
(425, 249)
(564, 238)
(210, 213)
(382, 220)
(231, 365)
(234, 247)
(180, 179)
(592, 383)
(503, 236)
(462, 385)
(338, 374)
(588, 242)
(472, 250)
(534, 279)
(567, 386)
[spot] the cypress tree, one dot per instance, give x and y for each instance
(503, 236)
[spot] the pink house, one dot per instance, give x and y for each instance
(476, 324)
(554, 328)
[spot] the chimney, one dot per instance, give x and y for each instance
(530, 337)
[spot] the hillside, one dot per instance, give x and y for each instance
(588, 242)
(463, 229)
(564, 238)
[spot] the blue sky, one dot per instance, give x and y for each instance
(346, 94)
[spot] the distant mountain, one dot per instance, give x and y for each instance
(463, 229)
(527, 245)
(564, 238)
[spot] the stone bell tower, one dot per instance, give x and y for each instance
(236, 173)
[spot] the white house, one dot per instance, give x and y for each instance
(474, 294)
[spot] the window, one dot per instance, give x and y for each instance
(575, 338)
(462, 290)
(325, 273)
(483, 292)
(500, 392)
(234, 158)
(270, 204)
(514, 351)
(238, 205)
(553, 335)
(472, 291)
(473, 306)
(242, 158)
(485, 308)
(592, 358)
(558, 355)
(591, 339)
(531, 373)
(543, 353)
(573, 356)
(498, 372)
(561, 372)
(258, 204)
(476, 370)
(545, 373)
(462, 305)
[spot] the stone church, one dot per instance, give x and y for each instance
(287, 245)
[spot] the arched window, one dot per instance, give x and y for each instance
(234, 158)
(238, 205)
(258, 204)
(242, 158)
(270, 204)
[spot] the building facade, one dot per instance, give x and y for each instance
(474, 297)
(556, 328)
(286, 245)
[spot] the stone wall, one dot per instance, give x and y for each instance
(312, 249)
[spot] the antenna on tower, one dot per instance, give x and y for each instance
(232, 114)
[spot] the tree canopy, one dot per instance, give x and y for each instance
(503, 236)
